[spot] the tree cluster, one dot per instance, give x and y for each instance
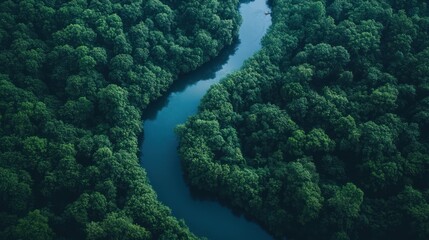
(324, 134)
(75, 77)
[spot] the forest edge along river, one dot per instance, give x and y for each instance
(159, 157)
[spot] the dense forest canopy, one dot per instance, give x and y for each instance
(75, 77)
(324, 134)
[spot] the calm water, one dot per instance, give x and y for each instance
(159, 149)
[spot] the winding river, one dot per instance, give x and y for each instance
(159, 149)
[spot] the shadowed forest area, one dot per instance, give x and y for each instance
(324, 134)
(75, 77)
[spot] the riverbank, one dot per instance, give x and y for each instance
(159, 149)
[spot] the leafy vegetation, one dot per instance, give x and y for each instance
(75, 77)
(324, 133)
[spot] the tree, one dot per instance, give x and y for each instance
(326, 58)
(414, 207)
(120, 67)
(78, 112)
(302, 194)
(16, 191)
(116, 226)
(75, 35)
(33, 226)
(375, 140)
(318, 141)
(384, 98)
(83, 85)
(345, 204)
(112, 101)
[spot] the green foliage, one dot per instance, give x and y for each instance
(116, 227)
(15, 191)
(330, 121)
(302, 195)
(33, 226)
(75, 77)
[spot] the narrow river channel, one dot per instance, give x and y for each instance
(159, 149)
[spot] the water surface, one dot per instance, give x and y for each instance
(159, 149)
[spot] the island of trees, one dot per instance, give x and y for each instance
(75, 77)
(324, 134)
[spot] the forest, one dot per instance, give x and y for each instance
(75, 78)
(324, 134)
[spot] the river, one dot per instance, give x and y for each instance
(159, 157)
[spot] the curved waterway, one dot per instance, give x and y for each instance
(159, 149)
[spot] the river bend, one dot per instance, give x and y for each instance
(159, 148)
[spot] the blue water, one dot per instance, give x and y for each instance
(159, 149)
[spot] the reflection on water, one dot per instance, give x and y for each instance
(159, 149)
(206, 72)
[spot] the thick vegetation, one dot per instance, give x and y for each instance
(325, 133)
(75, 77)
